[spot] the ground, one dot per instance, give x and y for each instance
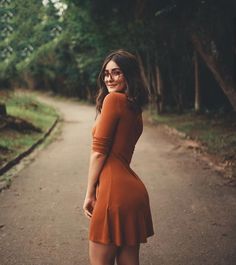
(42, 222)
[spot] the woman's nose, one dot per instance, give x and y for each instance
(109, 77)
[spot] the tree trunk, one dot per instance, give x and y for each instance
(28, 80)
(159, 100)
(226, 82)
(141, 65)
(146, 77)
(197, 104)
(176, 92)
(3, 109)
(140, 8)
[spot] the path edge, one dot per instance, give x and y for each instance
(213, 161)
(4, 184)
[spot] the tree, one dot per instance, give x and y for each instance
(226, 81)
(60, 45)
(197, 105)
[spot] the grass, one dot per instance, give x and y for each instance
(216, 131)
(26, 107)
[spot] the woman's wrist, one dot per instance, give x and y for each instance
(91, 192)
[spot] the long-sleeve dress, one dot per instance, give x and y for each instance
(122, 214)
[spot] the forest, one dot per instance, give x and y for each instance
(186, 49)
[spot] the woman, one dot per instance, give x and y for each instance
(117, 201)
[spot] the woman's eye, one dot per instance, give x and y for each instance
(106, 74)
(116, 73)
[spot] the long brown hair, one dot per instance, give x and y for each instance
(135, 90)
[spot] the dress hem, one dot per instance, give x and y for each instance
(106, 242)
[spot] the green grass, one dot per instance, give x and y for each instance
(24, 106)
(17, 141)
(28, 108)
(216, 131)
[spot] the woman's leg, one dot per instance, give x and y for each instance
(101, 254)
(128, 255)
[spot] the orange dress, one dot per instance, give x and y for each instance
(122, 213)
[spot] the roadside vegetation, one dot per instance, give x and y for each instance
(214, 131)
(27, 120)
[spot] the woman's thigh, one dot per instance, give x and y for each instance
(101, 254)
(128, 255)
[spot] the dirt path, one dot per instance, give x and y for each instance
(194, 214)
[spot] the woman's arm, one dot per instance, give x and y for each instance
(96, 163)
(101, 145)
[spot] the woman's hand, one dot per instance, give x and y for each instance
(88, 206)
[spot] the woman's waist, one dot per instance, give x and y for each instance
(126, 159)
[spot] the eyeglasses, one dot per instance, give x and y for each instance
(115, 74)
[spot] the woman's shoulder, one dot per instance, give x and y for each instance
(114, 97)
(115, 101)
(121, 101)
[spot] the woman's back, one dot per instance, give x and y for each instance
(128, 131)
(124, 131)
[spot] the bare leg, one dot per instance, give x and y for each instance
(128, 255)
(101, 254)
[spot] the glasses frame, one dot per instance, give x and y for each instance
(113, 74)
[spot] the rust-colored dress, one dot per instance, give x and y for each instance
(122, 213)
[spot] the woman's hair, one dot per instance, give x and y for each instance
(136, 92)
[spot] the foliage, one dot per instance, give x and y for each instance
(60, 44)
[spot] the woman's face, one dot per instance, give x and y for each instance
(113, 77)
